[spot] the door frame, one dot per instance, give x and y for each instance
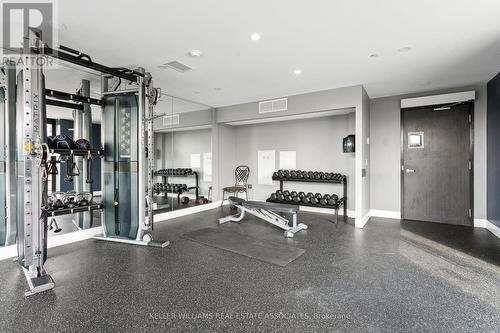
(471, 153)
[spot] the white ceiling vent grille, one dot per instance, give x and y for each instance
(176, 65)
(171, 120)
(273, 106)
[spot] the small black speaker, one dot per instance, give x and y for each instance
(348, 144)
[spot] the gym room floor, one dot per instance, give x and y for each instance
(390, 276)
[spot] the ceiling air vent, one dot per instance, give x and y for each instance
(171, 120)
(175, 65)
(273, 106)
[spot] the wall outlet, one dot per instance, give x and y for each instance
(249, 186)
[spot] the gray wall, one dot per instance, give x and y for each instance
(176, 149)
(186, 119)
(385, 150)
(326, 100)
(494, 150)
(224, 157)
(317, 141)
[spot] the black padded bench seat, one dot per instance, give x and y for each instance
(272, 206)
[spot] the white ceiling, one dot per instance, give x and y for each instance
(454, 42)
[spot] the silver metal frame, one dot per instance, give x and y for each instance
(30, 155)
(31, 130)
(8, 158)
(268, 216)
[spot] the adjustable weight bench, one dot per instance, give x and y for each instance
(268, 211)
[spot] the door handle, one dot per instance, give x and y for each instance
(410, 170)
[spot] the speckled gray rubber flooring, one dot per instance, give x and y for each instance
(390, 276)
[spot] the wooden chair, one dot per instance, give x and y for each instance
(241, 174)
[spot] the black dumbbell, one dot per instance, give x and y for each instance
(318, 196)
(310, 195)
(306, 200)
(281, 197)
(327, 196)
(321, 175)
(276, 175)
(293, 193)
(288, 198)
(314, 201)
(279, 192)
(287, 174)
(293, 174)
(297, 199)
(272, 197)
(317, 176)
(301, 195)
(286, 192)
(323, 201)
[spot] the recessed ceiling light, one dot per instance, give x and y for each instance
(195, 53)
(255, 37)
(297, 72)
(374, 55)
(404, 49)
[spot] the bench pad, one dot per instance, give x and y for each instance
(272, 206)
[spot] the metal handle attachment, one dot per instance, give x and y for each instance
(410, 170)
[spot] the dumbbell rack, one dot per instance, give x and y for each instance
(343, 181)
(74, 210)
(196, 187)
(77, 209)
(77, 152)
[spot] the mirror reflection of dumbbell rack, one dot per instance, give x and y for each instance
(179, 172)
(319, 177)
(166, 188)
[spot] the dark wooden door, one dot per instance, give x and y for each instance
(437, 164)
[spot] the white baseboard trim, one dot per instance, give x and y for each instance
(55, 240)
(185, 211)
(7, 252)
(482, 223)
(385, 214)
(360, 222)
